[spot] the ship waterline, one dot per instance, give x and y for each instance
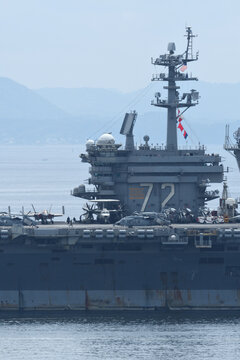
(154, 300)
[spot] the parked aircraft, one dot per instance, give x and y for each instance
(45, 215)
(144, 219)
(102, 210)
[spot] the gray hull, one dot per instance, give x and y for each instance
(62, 268)
(57, 300)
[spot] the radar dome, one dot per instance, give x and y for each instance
(106, 139)
(230, 201)
(81, 188)
(89, 143)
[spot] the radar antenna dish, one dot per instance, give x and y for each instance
(127, 129)
(128, 123)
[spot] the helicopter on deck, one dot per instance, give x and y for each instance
(9, 219)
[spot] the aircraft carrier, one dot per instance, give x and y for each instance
(142, 262)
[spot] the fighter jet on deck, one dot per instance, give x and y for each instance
(45, 215)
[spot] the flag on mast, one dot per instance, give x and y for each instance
(179, 121)
(180, 127)
(183, 68)
(179, 117)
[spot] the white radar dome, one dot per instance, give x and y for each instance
(89, 143)
(230, 201)
(106, 139)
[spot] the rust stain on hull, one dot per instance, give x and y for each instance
(175, 299)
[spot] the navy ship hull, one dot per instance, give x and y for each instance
(133, 269)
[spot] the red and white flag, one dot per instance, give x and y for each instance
(183, 68)
(180, 126)
(179, 122)
(179, 117)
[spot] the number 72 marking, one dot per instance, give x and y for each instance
(149, 191)
(148, 194)
(170, 195)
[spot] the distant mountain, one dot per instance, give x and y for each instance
(26, 117)
(88, 101)
(218, 102)
(19, 102)
(59, 115)
(106, 108)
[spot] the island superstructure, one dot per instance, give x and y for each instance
(151, 178)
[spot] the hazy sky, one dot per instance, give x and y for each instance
(109, 43)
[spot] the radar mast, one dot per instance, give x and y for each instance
(176, 65)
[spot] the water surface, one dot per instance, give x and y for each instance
(122, 336)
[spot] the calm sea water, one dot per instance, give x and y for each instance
(122, 336)
(44, 176)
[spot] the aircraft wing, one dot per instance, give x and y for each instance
(234, 217)
(31, 214)
(42, 215)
